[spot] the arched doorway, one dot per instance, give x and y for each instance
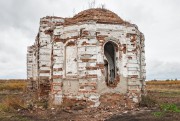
(110, 63)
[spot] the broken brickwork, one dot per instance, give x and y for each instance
(83, 57)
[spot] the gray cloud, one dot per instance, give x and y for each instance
(163, 70)
(158, 20)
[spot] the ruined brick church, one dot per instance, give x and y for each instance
(93, 53)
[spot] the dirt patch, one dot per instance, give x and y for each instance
(108, 110)
(144, 116)
(113, 107)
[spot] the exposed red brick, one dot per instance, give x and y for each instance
(101, 37)
(57, 76)
(91, 68)
(88, 60)
(71, 43)
(100, 66)
(44, 71)
(57, 69)
(85, 43)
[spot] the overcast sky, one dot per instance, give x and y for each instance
(159, 20)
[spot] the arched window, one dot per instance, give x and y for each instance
(110, 63)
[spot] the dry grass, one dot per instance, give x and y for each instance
(164, 91)
(9, 100)
(12, 85)
(163, 82)
(165, 86)
(11, 103)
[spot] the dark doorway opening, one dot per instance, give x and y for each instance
(110, 63)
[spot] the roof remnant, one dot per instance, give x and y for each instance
(99, 15)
